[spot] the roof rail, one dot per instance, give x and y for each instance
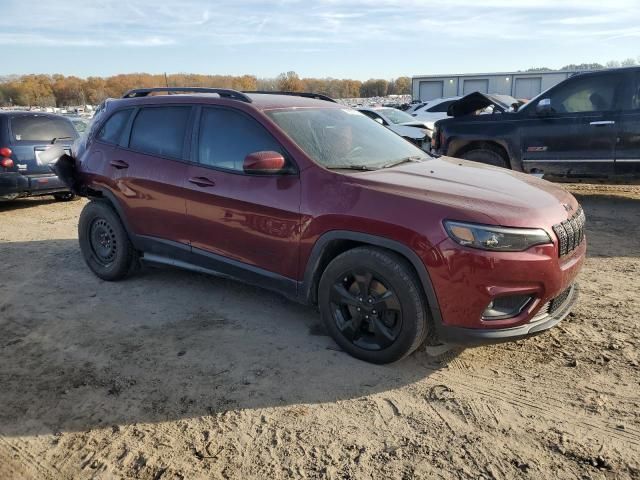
(317, 96)
(223, 92)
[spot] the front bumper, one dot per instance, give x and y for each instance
(542, 321)
(14, 183)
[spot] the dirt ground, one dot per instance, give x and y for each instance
(176, 375)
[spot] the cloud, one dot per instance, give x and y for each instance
(300, 25)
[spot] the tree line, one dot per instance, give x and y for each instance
(61, 91)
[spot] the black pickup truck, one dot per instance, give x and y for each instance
(586, 127)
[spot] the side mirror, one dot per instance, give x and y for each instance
(544, 107)
(262, 163)
(379, 120)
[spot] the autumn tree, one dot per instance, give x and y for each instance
(289, 82)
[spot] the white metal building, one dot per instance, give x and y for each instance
(517, 84)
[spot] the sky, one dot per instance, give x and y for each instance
(357, 39)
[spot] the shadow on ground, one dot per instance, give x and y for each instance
(78, 353)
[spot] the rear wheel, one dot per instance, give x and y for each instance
(104, 242)
(64, 196)
(372, 305)
(488, 155)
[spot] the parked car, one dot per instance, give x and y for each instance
(401, 123)
(433, 110)
(586, 127)
(314, 200)
(79, 123)
(25, 138)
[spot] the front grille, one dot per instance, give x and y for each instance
(558, 302)
(570, 233)
(552, 306)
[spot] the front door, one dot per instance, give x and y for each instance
(578, 138)
(246, 221)
(628, 149)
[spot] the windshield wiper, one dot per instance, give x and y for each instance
(55, 139)
(413, 158)
(351, 167)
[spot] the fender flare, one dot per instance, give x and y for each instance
(106, 195)
(313, 264)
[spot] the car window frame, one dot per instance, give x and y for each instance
(186, 143)
(291, 167)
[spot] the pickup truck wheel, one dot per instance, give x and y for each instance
(486, 155)
(372, 305)
(64, 196)
(104, 242)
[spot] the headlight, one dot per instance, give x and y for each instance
(501, 239)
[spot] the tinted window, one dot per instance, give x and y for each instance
(635, 98)
(227, 137)
(441, 107)
(588, 94)
(112, 129)
(160, 131)
(41, 128)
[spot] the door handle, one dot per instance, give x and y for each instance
(202, 182)
(119, 164)
(603, 122)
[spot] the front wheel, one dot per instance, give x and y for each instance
(372, 305)
(104, 242)
(486, 155)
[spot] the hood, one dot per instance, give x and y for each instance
(417, 132)
(477, 101)
(417, 123)
(479, 192)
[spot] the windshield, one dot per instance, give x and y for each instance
(396, 116)
(344, 138)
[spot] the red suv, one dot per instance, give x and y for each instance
(301, 195)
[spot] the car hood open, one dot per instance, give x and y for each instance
(490, 194)
(477, 101)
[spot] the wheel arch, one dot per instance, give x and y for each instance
(106, 196)
(335, 242)
(458, 147)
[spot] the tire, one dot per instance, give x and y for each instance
(105, 245)
(385, 334)
(487, 155)
(64, 196)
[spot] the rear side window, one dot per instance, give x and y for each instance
(441, 107)
(588, 94)
(112, 129)
(41, 128)
(160, 131)
(227, 137)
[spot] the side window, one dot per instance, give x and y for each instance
(227, 137)
(588, 94)
(441, 107)
(635, 98)
(160, 131)
(112, 129)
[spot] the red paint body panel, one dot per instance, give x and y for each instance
(273, 222)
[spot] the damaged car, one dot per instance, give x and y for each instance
(311, 199)
(586, 127)
(26, 139)
(416, 131)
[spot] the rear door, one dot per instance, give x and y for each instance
(33, 133)
(628, 148)
(146, 171)
(578, 139)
